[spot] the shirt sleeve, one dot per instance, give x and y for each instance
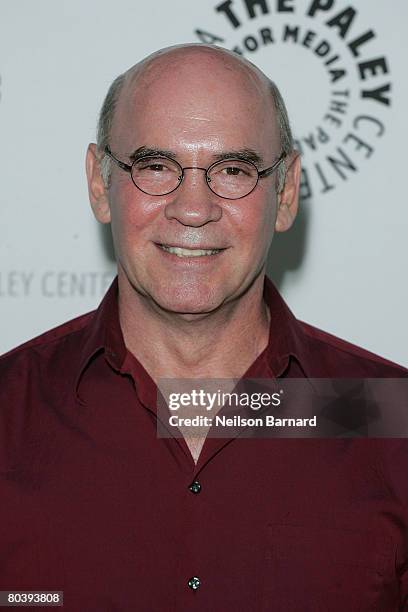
(393, 455)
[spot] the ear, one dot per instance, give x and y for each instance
(288, 198)
(98, 196)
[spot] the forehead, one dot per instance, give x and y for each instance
(195, 100)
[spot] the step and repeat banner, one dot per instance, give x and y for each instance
(341, 67)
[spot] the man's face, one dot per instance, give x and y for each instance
(198, 107)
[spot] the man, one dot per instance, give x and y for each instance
(194, 169)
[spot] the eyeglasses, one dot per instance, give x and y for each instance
(230, 178)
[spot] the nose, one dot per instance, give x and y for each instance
(193, 203)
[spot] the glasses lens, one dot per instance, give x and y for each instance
(156, 175)
(232, 178)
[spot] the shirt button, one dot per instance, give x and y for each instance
(195, 487)
(194, 583)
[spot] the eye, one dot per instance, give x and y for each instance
(233, 170)
(153, 167)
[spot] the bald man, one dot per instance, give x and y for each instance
(194, 169)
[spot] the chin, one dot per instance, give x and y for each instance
(188, 302)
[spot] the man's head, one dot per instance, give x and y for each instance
(195, 103)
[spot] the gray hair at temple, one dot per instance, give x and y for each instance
(108, 110)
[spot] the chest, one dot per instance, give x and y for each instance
(115, 518)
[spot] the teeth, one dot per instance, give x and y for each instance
(189, 252)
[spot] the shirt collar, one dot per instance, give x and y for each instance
(286, 336)
(103, 335)
(287, 339)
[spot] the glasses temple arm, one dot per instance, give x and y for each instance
(121, 164)
(268, 171)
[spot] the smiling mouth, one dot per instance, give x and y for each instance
(182, 252)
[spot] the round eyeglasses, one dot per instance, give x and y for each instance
(229, 178)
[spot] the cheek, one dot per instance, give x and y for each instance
(254, 221)
(132, 213)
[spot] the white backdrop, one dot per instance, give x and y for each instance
(342, 69)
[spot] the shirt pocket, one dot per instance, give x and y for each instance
(325, 569)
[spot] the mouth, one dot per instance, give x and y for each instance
(183, 252)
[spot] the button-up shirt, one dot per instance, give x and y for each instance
(93, 503)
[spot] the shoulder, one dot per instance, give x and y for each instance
(54, 350)
(337, 357)
(50, 338)
(36, 377)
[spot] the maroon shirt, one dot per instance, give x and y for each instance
(94, 504)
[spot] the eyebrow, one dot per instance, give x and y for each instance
(243, 154)
(148, 152)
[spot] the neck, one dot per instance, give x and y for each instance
(220, 344)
